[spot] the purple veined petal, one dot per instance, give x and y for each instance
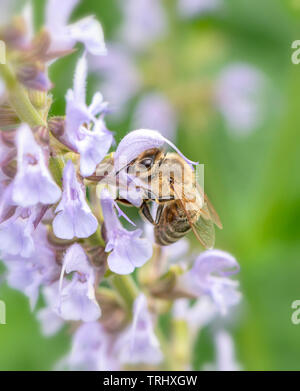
(154, 111)
(33, 183)
(89, 32)
(74, 217)
(137, 141)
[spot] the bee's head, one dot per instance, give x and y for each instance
(146, 165)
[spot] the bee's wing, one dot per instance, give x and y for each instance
(204, 229)
(208, 209)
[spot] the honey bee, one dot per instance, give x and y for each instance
(169, 182)
(182, 206)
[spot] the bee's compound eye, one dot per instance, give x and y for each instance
(147, 162)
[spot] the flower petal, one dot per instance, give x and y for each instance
(89, 32)
(138, 141)
(217, 262)
(56, 20)
(119, 260)
(33, 182)
(74, 218)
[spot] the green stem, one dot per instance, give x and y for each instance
(18, 98)
(181, 345)
(126, 288)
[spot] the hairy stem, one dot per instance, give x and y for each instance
(18, 98)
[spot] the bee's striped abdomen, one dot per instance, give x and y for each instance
(173, 225)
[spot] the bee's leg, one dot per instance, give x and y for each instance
(146, 212)
(159, 210)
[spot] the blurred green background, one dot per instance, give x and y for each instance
(253, 180)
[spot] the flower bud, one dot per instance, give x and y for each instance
(57, 126)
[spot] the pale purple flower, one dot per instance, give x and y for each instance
(16, 234)
(50, 321)
(238, 97)
(64, 36)
(74, 217)
(194, 8)
(30, 273)
(209, 276)
(92, 350)
(85, 133)
(33, 183)
(144, 22)
(154, 111)
(139, 343)
(121, 79)
(127, 249)
(77, 296)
